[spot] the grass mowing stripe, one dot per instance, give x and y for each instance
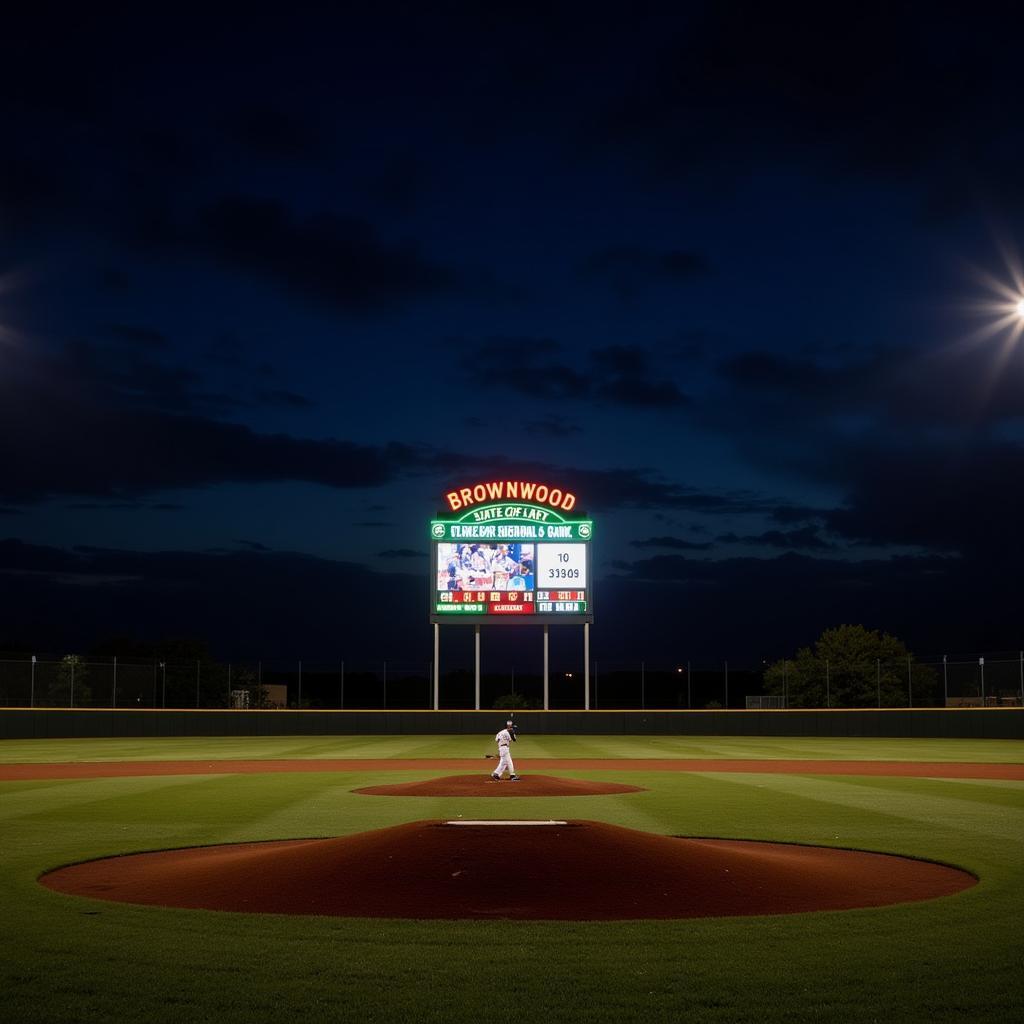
(64, 958)
(909, 802)
(473, 746)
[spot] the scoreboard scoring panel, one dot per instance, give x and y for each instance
(509, 561)
(562, 565)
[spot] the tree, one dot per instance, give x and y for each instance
(850, 667)
(70, 685)
(514, 702)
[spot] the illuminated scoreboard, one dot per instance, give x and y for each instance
(508, 551)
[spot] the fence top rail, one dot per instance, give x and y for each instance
(490, 712)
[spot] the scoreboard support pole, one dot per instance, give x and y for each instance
(476, 669)
(586, 666)
(546, 701)
(437, 665)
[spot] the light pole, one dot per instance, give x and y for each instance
(32, 686)
(981, 665)
(163, 684)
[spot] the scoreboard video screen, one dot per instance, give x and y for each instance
(509, 550)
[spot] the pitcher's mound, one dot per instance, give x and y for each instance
(582, 870)
(484, 785)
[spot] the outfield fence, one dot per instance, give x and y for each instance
(80, 681)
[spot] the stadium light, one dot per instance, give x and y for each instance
(1001, 310)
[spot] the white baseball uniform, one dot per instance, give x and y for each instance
(503, 739)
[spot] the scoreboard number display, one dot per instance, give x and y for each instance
(562, 565)
(508, 551)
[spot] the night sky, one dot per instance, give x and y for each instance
(743, 277)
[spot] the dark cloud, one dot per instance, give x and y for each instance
(131, 375)
(272, 132)
(551, 426)
(642, 393)
(607, 489)
(94, 437)
(252, 545)
(399, 183)
(91, 435)
(145, 337)
(777, 604)
(789, 375)
(18, 556)
(665, 607)
(530, 366)
(956, 385)
(629, 270)
(401, 553)
(30, 191)
(106, 506)
(226, 349)
(884, 95)
(795, 514)
(673, 543)
(245, 599)
(968, 499)
(338, 262)
(373, 524)
(114, 279)
(805, 539)
(283, 399)
(621, 375)
(923, 446)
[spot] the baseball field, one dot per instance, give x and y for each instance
(941, 803)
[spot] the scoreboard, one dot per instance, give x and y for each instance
(509, 551)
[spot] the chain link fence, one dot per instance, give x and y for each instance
(964, 681)
(78, 681)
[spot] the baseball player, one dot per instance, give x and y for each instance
(503, 739)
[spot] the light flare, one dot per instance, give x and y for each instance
(998, 312)
(1002, 309)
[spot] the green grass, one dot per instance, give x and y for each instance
(69, 959)
(227, 747)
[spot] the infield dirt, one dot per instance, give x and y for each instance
(484, 785)
(577, 870)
